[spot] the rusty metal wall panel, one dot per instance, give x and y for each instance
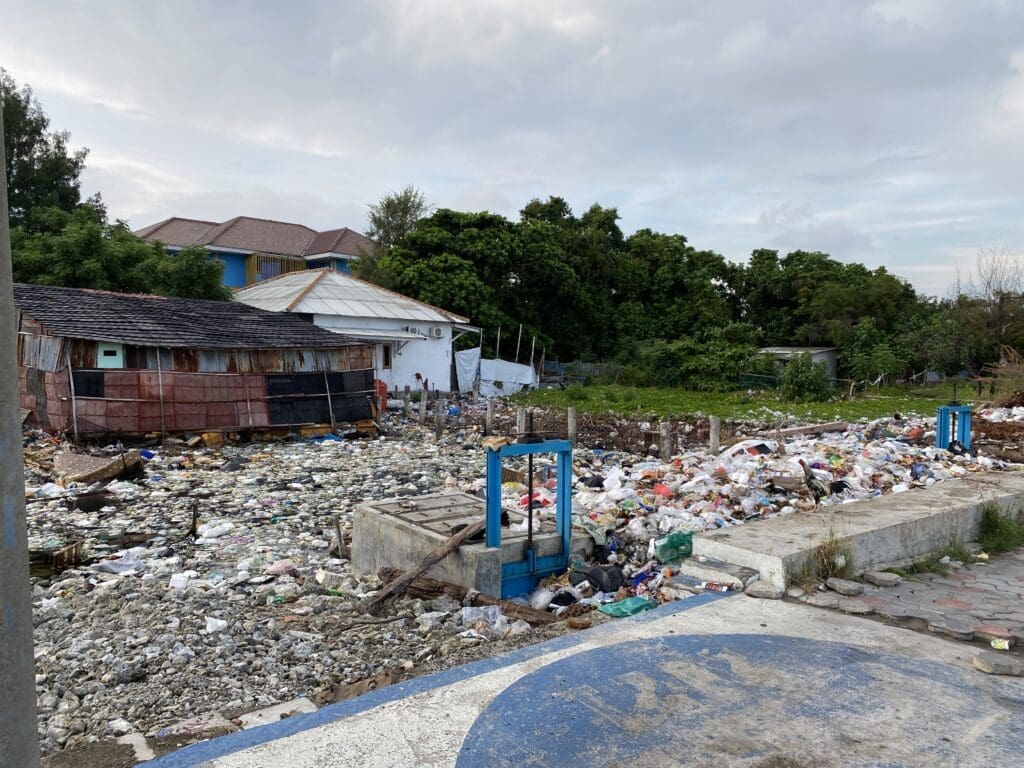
(83, 354)
(185, 359)
(213, 361)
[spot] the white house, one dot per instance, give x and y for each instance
(409, 336)
(826, 355)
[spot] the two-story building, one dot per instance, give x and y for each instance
(256, 249)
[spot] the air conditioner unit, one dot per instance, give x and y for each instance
(437, 332)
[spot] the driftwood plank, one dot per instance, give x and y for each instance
(398, 585)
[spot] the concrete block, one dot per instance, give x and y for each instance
(717, 571)
(843, 586)
(882, 533)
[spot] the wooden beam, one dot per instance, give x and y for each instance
(398, 585)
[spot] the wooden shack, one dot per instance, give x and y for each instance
(96, 362)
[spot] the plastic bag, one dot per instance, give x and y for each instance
(674, 547)
(628, 607)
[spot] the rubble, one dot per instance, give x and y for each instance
(213, 583)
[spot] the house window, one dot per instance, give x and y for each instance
(109, 355)
(386, 357)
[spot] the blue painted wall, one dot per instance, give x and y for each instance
(234, 268)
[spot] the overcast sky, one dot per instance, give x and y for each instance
(887, 132)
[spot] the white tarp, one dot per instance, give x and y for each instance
(467, 366)
(500, 377)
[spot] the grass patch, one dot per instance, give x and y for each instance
(740, 405)
(833, 557)
(1000, 532)
(956, 550)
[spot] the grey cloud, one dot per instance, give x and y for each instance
(857, 127)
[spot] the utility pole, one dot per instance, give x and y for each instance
(19, 744)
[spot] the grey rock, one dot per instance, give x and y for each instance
(993, 663)
(844, 586)
(881, 578)
(764, 590)
(795, 593)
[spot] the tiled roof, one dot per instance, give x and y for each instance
(245, 233)
(345, 241)
(325, 292)
(176, 231)
(160, 321)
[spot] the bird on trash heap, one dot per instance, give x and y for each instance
(819, 488)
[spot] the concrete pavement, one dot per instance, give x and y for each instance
(713, 680)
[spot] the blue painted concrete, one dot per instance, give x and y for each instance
(642, 702)
(196, 754)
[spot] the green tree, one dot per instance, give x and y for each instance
(81, 249)
(42, 171)
(395, 215)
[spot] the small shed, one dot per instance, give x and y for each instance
(112, 363)
(412, 340)
(826, 355)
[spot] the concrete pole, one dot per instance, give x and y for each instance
(19, 744)
(716, 434)
(489, 423)
(423, 407)
(571, 426)
(521, 420)
(666, 440)
(440, 407)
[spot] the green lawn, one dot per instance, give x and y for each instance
(622, 400)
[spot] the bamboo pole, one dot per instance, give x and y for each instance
(74, 403)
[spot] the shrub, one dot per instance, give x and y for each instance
(575, 393)
(803, 379)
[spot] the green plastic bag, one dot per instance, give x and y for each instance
(627, 607)
(674, 547)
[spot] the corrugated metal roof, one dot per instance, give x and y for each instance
(325, 292)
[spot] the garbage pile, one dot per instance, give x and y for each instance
(214, 581)
(641, 512)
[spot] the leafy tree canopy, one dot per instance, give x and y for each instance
(42, 170)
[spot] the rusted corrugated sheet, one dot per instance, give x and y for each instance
(83, 354)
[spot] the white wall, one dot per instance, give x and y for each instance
(428, 356)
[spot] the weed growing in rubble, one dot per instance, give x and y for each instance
(1000, 532)
(833, 557)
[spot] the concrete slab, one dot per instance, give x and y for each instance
(884, 532)
(714, 680)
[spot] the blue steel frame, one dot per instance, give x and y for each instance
(944, 423)
(521, 577)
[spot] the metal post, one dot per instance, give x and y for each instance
(71, 381)
(518, 340)
(520, 420)
(571, 425)
(18, 741)
(160, 392)
(330, 405)
(533, 348)
(666, 440)
(716, 434)
(497, 345)
(489, 423)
